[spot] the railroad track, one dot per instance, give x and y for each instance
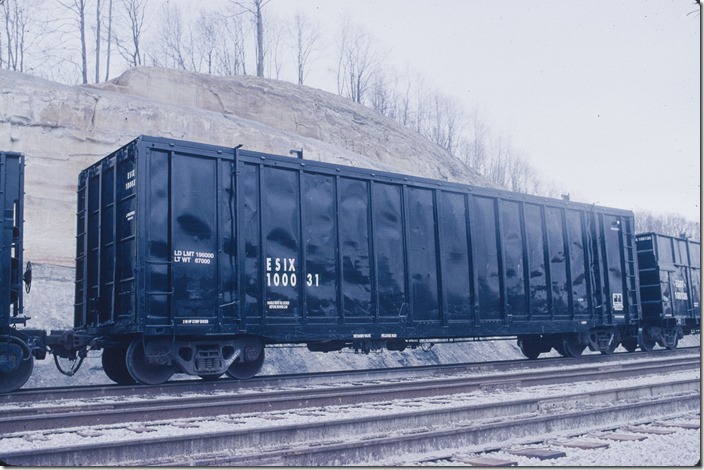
(175, 387)
(610, 447)
(151, 407)
(473, 428)
(430, 413)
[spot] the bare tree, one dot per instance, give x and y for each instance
(697, 4)
(497, 159)
(668, 224)
(305, 37)
(382, 95)
(109, 41)
(231, 52)
(98, 22)
(475, 151)
(132, 18)
(171, 42)
(16, 18)
(274, 45)
(191, 45)
(172, 32)
(356, 63)
(445, 122)
(256, 8)
(78, 7)
(204, 40)
(422, 105)
(404, 112)
(508, 168)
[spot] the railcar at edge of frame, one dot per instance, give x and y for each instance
(669, 270)
(18, 347)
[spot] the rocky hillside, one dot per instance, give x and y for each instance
(63, 129)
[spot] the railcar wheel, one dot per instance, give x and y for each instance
(630, 344)
(141, 370)
(572, 346)
(115, 366)
(560, 348)
(251, 365)
(529, 348)
(15, 379)
(646, 343)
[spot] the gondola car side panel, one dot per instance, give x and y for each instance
(179, 238)
(11, 236)
(669, 270)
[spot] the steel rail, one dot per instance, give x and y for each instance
(236, 386)
(58, 416)
(484, 436)
(352, 440)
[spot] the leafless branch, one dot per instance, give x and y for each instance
(255, 8)
(305, 37)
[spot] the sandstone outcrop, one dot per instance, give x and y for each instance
(62, 129)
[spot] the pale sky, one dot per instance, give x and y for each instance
(602, 96)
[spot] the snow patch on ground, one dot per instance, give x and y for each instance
(656, 450)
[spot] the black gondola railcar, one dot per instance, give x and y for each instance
(670, 285)
(17, 347)
(192, 257)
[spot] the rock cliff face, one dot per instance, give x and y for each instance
(63, 129)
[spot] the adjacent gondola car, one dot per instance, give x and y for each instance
(670, 286)
(192, 257)
(17, 347)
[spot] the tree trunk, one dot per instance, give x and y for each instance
(84, 57)
(109, 38)
(97, 41)
(260, 39)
